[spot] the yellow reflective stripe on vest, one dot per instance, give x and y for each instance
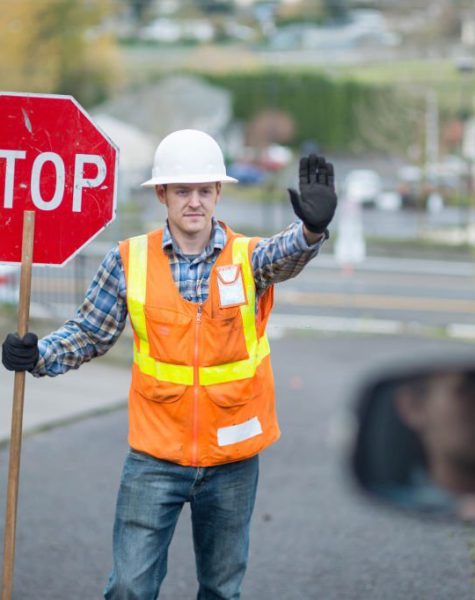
(137, 288)
(179, 374)
(248, 310)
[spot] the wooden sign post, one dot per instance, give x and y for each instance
(17, 408)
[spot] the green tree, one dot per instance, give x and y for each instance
(342, 114)
(308, 11)
(58, 46)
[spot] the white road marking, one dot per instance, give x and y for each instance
(280, 323)
(401, 265)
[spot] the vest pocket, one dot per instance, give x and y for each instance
(223, 339)
(232, 393)
(156, 390)
(169, 335)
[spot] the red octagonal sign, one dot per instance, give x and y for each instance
(56, 162)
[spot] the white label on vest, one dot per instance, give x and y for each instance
(239, 433)
(230, 286)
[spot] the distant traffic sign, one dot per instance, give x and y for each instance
(56, 162)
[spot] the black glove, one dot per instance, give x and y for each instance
(20, 354)
(316, 203)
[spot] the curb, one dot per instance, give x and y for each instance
(63, 421)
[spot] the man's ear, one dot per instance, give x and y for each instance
(161, 192)
(218, 189)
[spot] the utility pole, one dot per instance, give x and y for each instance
(432, 128)
(466, 66)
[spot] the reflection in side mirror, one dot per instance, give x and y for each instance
(415, 445)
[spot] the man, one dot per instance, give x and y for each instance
(201, 402)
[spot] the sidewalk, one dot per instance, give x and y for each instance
(95, 388)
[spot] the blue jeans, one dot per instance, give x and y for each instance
(151, 495)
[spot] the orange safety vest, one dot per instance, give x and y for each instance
(202, 390)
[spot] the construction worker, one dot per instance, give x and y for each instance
(201, 401)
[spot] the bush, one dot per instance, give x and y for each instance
(339, 113)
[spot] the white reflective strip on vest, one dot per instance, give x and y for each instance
(239, 433)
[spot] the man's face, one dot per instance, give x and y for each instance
(190, 205)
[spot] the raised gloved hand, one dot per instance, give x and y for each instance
(316, 203)
(20, 354)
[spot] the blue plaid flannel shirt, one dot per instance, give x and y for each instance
(102, 316)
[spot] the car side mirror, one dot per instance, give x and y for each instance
(414, 446)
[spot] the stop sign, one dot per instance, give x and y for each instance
(56, 162)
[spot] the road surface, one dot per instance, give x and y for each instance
(313, 537)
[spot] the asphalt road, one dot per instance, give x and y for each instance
(313, 536)
(430, 294)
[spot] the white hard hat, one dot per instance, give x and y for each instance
(188, 156)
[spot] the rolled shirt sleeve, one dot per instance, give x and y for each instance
(282, 256)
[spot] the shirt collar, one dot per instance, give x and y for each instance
(217, 240)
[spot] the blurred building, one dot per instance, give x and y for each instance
(177, 102)
(136, 121)
(136, 149)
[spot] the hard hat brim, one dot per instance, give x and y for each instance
(208, 178)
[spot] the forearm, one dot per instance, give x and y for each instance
(71, 346)
(284, 255)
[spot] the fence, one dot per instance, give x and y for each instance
(55, 292)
